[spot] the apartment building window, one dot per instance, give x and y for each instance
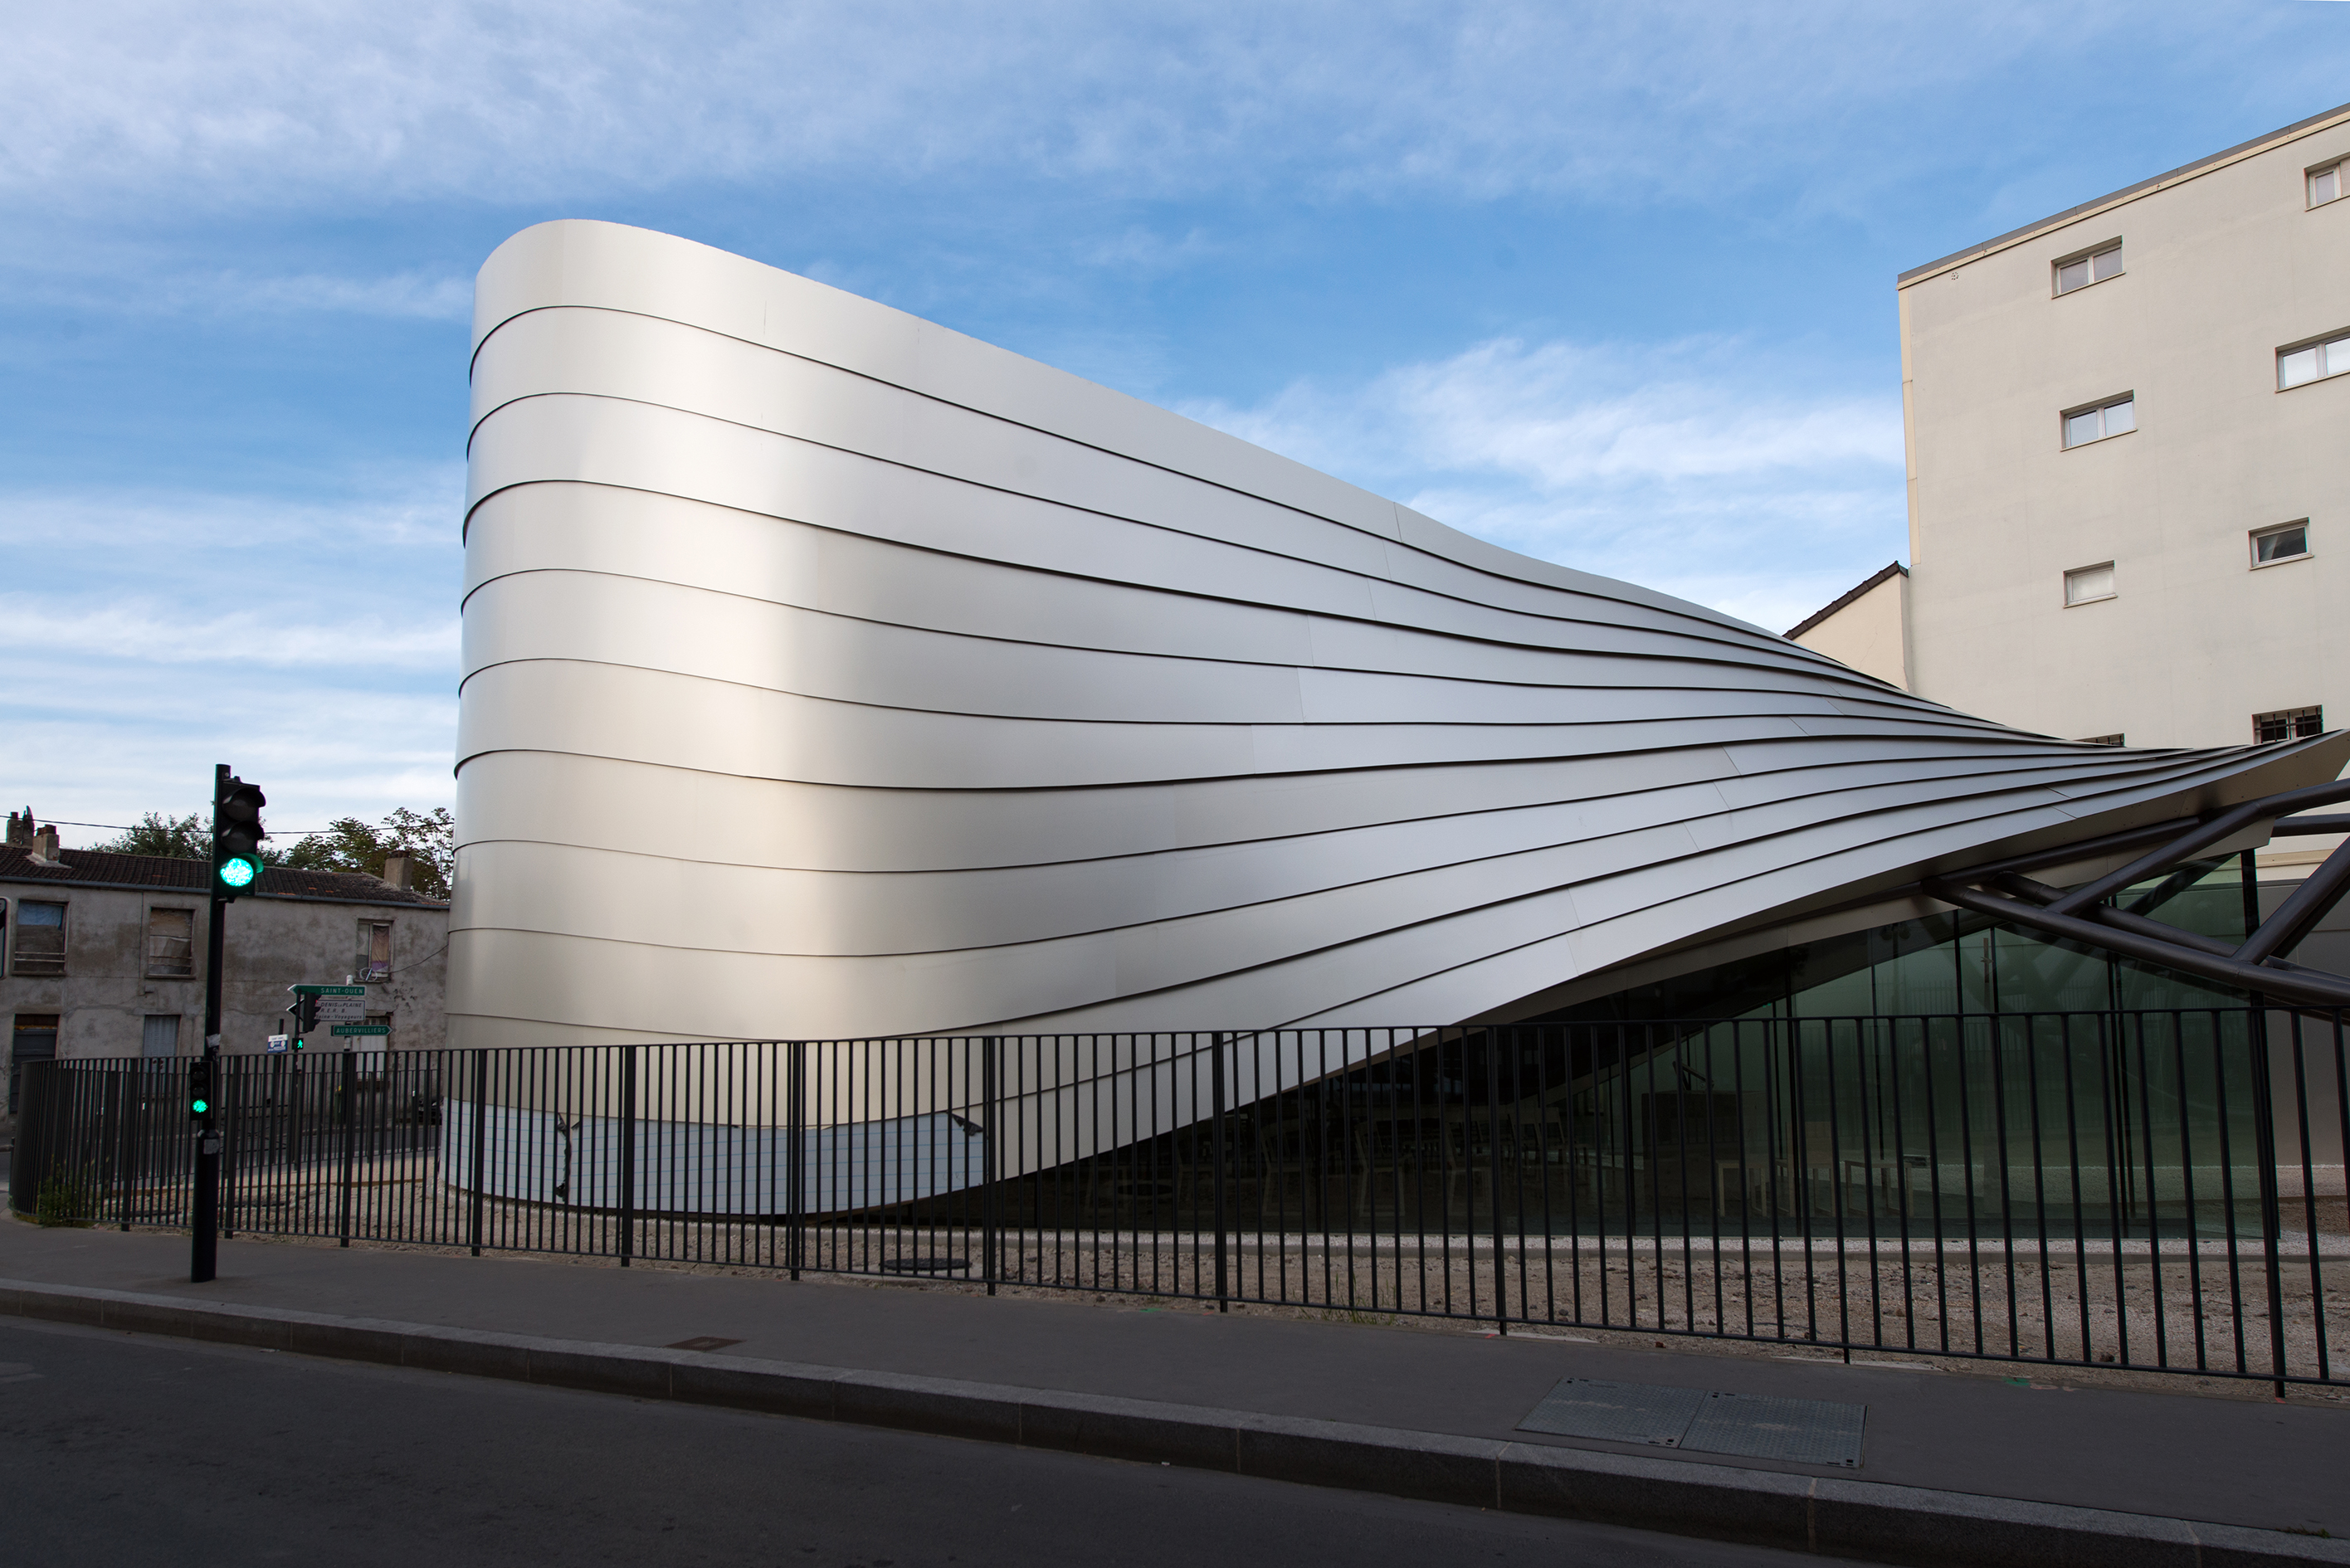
(2118, 416)
(160, 1034)
(2101, 740)
(2091, 266)
(171, 943)
(2286, 542)
(2312, 362)
(2326, 184)
(375, 951)
(40, 939)
(2086, 585)
(2289, 724)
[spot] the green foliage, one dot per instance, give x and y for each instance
(349, 844)
(66, 1199)
(174, 837)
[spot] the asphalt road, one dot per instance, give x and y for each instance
(124, 1450)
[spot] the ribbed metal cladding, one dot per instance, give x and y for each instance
(828, 673)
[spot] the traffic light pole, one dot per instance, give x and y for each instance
(205, 1220)
(204, 1223)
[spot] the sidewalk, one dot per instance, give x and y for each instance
(2266, 1466)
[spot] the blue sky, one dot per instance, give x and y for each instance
(1611, 285)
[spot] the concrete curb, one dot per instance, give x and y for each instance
(1913, 1526)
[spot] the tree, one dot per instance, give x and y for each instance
(347, 845)
(430, 838)
(174, 837)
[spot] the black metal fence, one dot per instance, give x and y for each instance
(2153, 1189)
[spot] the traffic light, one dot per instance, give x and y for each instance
(200, 1088)
(305, 1018)
(237, 835)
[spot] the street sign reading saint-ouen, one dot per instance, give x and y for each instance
(327, 989)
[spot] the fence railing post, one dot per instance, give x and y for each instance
(628, 1154)
(134, 1113)
(1493, 1173)
(481, 1130)
(1216, 1115)
(350, 1138)
(987, 1125)
(2271, 1216)
(795, 1155)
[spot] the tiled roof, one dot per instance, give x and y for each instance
(97, 869)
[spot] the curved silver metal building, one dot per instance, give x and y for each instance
(828, 673)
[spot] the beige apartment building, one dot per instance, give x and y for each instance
(2128, 433)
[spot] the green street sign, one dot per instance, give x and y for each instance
(362, 1029)
(327, 989)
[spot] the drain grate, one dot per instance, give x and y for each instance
(1749, 1426)
(705, 1342)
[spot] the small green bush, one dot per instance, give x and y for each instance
(66, 1199)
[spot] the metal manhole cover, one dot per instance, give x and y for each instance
(1761, 1427)
(1749, 1426)
(1616, 1412)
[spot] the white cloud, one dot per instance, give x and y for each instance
(1697, 467)
(310, 641)
(145, 631)
(405, 507)
(529, 99)
(406, 294)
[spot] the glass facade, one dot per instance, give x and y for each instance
(1944, 1076)
(1956, 963)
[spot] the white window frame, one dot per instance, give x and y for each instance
(2332, 358)
(2339, 168)
(2094, 275)
(2103, 408)
(2252, 541)
(2113, 590)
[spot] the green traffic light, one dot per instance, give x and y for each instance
(201, 1106)
(236, 873)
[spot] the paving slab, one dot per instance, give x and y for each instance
(2180, 1456)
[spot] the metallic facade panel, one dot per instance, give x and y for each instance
(828, 673)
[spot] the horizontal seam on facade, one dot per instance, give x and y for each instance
(1716, 626)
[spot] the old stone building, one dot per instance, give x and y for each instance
(103, 954)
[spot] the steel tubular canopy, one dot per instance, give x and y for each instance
(828, 673)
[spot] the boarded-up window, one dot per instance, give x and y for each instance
(375, 951)
(170, 942)
(40, 939)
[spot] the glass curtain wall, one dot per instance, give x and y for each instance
(1930, 1074)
